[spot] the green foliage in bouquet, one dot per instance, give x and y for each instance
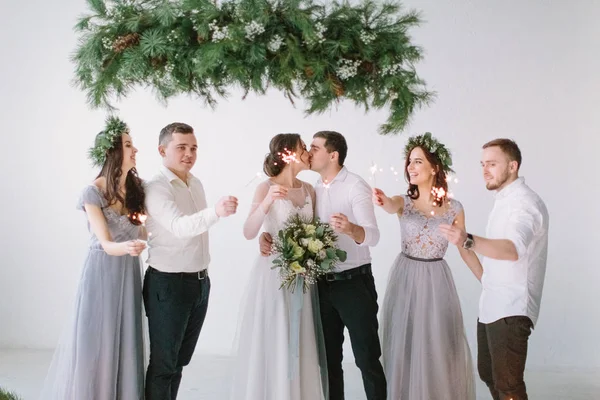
(306, 249)
(320, 53)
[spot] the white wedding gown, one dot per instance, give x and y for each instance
(271, 365)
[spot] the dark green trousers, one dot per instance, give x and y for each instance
(501, 356)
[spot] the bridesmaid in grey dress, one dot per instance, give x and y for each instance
(100, 354)
(425, 352)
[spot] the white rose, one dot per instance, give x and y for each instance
(315, 245)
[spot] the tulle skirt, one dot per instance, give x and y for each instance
(100, 355)
(425, 352)
(265, 357)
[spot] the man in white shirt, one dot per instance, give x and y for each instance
(176, 284)
(514, 265)
(347, 298)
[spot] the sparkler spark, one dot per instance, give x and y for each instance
(288, 157)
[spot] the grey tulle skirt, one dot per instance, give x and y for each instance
(425, 352)
(100, 354)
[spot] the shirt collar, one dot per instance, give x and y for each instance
(508, 190)
(341, 176)
(170, 175)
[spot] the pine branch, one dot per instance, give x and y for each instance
(98, 6)
(154, 43)
(84, 23)
(324, 54)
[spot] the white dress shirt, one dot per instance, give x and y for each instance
(178, 223)
(350, 195)
(514, 288)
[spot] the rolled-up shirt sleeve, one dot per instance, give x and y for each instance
(364, 213)
(522, 227)
(161, 206)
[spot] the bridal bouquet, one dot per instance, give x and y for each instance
(305, 251)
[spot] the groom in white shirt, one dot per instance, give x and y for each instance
(176, 284)
(515, 251)
(347, 297)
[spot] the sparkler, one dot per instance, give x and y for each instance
(256, 176)
(438, 195)
(373, 170)
(142, 218)
(288, 157)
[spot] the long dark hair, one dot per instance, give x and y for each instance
(135, 197)
(273, 164)
(440, 180)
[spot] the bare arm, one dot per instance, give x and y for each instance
(469, 257)
(100, 229)
(264, 197)
(391, 205)
(520, 231)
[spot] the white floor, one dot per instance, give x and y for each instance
(207, 378)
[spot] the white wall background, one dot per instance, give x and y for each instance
(526, 70)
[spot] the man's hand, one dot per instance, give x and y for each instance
(453, 234)
(266, 242)
(339, 222)
(226, 206)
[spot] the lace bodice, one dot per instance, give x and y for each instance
(299, 200)
(420, 235)
(119, 226)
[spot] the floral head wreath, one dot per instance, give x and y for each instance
(105, 140)
(433, 146)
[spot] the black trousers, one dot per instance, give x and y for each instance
(501, 356)
(176, 306)
(352, 303)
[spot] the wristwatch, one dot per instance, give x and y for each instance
(469, 242)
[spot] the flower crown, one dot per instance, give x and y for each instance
(105, 140)
(432, 145)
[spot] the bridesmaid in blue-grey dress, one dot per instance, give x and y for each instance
(100, 354)
(425, 351)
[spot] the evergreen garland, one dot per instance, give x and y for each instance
(321, 53)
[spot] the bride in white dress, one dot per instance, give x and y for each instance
(280, 352)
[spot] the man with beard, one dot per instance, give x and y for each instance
(514, 255)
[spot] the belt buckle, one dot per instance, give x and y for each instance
(329, 277)
(200, 277)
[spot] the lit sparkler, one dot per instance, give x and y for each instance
(288, 157)
(143, 218)
(373, 168)
(256, 176)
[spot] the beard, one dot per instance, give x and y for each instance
(497, 184)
